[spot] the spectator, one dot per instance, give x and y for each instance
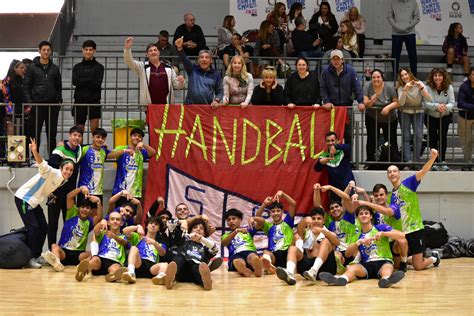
(381, 101)
(411, 92)
(224, 33)
(167, 50)
(349, 39)
(193, 37)
(268, 42)
(303, 43)
(466, 117)
(455, 49)
(268, 92)
(339, 82)
(237, 47)
(358, 23)
(87, 76)
(404, 15)
(279, 20)
(440, 113)
(323, 25)
(205, 83)
(42, 84)
(302, 87)
(156, 78)
(238, 83)
(339, 46)
(296, 10)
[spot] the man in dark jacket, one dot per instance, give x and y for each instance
(42, 84)
(87, 76)
(194, 40)
(466, 117)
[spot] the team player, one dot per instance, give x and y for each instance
(143, 258)
(404, 198)
(109, 258)
(375, 255)
(130, 208)
(315, 255)
(279, 231)
(80, 220)
(130, 159)
(191, 262)
(243, 256)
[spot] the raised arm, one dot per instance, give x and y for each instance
(341, 194)
(137, 219)
(304, 224)
(98, 216)
(317, 195)
(268, 200)
(427, 166)
(71, 195)
(116, 197)
(392, 234)
(188, 65)
(259, 222)
(332, 237)
(34, 150)
(226, 241)
(378, 208)
(292, 203)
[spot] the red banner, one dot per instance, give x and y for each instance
(210, 158)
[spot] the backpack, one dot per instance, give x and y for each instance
(14, 252)
(435, 234)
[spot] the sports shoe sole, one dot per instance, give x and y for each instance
(241, 267)
(158, 280)
(117, 275)
(257, 267)
(53, 261)
(268, 266)
(309, 276)
(331, 279)
(284, 276)
(215, 264)
(394, 278)
(128, 277)
(205, 273)
(82, 270)
(170, 275)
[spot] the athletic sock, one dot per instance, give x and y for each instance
(316, 265)
(290, 267)
(161, 274)
(94, 248)
(131, 268)
(403, 259)
(344, 277)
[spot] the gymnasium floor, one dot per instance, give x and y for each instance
(446, 290)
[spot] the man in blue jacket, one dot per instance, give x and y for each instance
(466, 117)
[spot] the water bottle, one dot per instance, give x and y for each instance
(367, 72)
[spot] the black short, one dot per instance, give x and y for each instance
(416, 242)
(80, 199)
(280, 258)
(328, 266)
(72, 257)
(169, 255)
(373, 268)
(104, 266)
(346, 260)
(240, 255)
(80, 113)
(144, 270)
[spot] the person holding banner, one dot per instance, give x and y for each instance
(238, 83)
(302, 87)
(268, 92)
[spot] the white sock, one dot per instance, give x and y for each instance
(317, 264)
(299, 244)
(94, 248)
(403, 259)
(267, 257)
(345, 277)
(161, 274)
(131, 268)
(290, 267)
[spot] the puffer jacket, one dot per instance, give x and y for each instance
(42, 83)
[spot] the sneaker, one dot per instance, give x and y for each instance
(284, 275)
(215, 264)
(331, 279)
(466, 168)
(310, 275)
(205, 273)
(437, 256)
(394, 278)
(41, 260)
(435, 168)
(82, 270)
(403, 267)
(444, 166)
(54, 261)
(129, 277)
(116, 276)
(159, 279)
(449, 70)
(33, 264)
(171, 275)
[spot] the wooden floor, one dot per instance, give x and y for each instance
(446, 290)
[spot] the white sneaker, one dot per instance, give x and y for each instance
(54, 261)
(159, 279)
(32, 264)
(449, 70)
(310, 275)
(129, 277)
(286, 276)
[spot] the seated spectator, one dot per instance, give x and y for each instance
(411, 92)
(455, 49)
(349, 39)
(167, 50)
(279, 20)
(339, 46)
(193, 37)
(302, 87)
(238, 83)
(296, 11)
(323, 25)
(380, 101)
(268, 42)
(237, 47)
(440, 113)
(466, 117)
(224, 34)
(303, 43)
(358, 23)
(268, 92)
(205, 83)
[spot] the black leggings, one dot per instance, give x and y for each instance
(35, 223)
(188, 270)
(53, 217)
(438, 134)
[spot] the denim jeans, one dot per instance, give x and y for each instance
(407, 121)
(397, 44)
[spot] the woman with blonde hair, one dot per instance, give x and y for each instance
(238, 83)
(358, 22)
(268, 92)
(349, 38)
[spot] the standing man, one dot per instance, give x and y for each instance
(87, 76)
(466, 118)
(193, 37)
(168, 50)
(404, 15)
(339, 83)
(205, 83)
(42, 84)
